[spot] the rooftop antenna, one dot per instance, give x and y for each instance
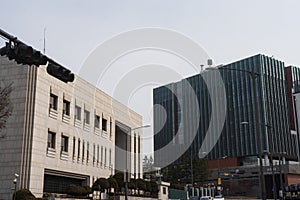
(44, 50)
(201, 67)
(209, 62)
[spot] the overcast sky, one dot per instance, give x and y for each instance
(228, 30)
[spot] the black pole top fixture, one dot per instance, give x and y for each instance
(17, 50)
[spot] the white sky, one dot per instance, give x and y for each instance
(227, 29)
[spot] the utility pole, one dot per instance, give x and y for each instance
(258, 137)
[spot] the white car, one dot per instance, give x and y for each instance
(206, 198)
(219, 198)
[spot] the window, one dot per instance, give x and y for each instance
(94, 152)
(105, 157)
(66, 107)
(74, 142)
(101, 155)
(51, 139)
(83, 150)
(77, 113)
(104, 124)
(64, 143)
(109, 157)
(97, 153)
(53, 101)
(110, 128)
(86, 117)
(87, 151)
(164, 190)
(97, 121)
(78, 152)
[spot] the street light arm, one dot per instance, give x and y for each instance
(145, 126)
(234, 69)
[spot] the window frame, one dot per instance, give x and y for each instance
(77, 113)
(53, 102)
(66, 107)
(52, 143)
(104, 124)
(64, 143)
(97, 121)
(87, 117)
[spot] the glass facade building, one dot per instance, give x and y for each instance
(181, 115)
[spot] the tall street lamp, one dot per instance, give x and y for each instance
(297, 126)
(219, 185)
(126, 175)
(253, 75)
(15, 183)
(281, 155)
(219, 178)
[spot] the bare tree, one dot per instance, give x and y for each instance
(5, 104)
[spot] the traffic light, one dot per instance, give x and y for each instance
(60, 72)
(23, 54)
(27, 55)
(226, 174)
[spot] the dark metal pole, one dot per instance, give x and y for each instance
(271, 151)
(297, 127)
(218, 170)
(273, 178)
(126, 187)
(280, 178)
(258, 137)
(126, 171)
(192, 173)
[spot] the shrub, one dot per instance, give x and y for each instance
(148, 186)
(101, 183)
(120, 179)
(132, 184)
(88, 190)
(154, 187)
(141, 184)
(24, 194)
(112, 182)
(76, 190)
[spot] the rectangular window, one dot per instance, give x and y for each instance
(74, 143)
(51, 139)
(78, 152)
(97, 121)
(64, 143)
(97, 153)
(83, 150)
(110, 128)
(164, 190)
(101, 155)
(104, 124)
(77, 113)
(86, 117)
(94, 152)
(66, 107)
(109, 157)
(87, 151)
(53, 101)
(105, 151)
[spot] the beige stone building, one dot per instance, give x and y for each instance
(63, 133)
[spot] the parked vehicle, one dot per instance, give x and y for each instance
(220, 197)
(206, 198)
